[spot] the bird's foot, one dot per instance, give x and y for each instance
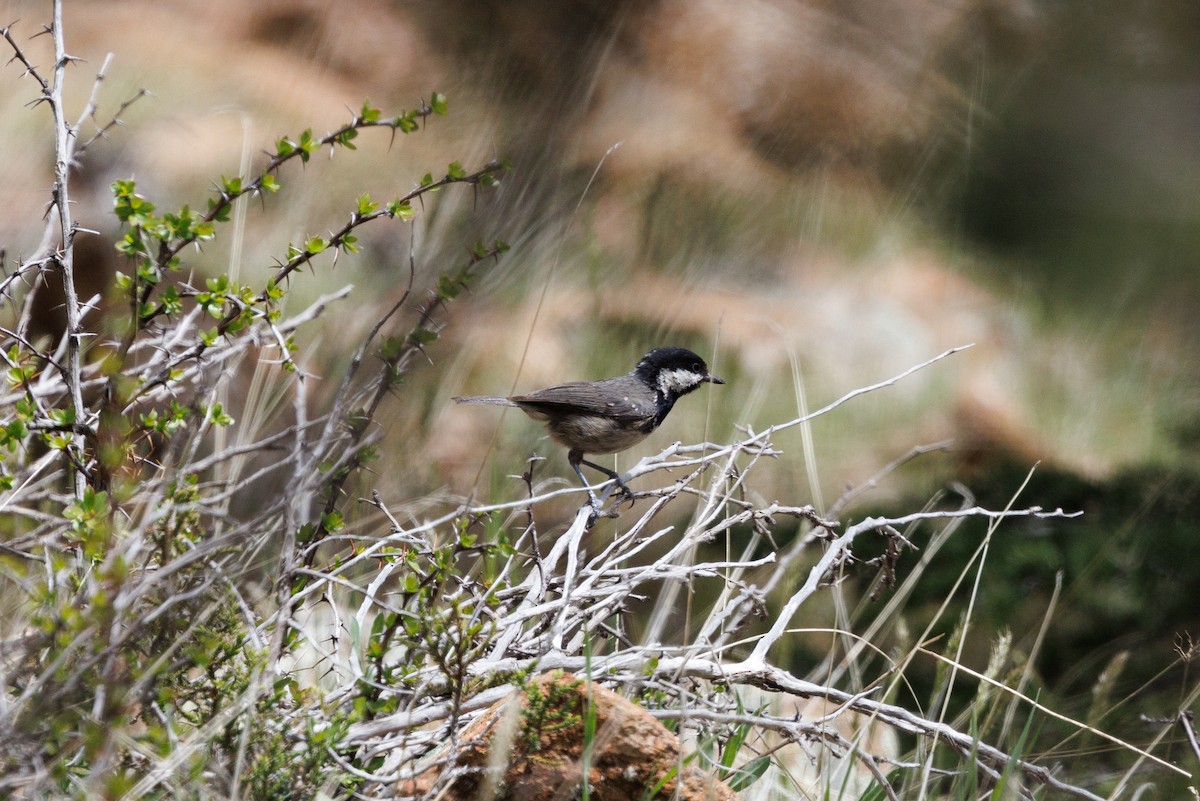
(598, 511)
(624, 489)
(619, 483)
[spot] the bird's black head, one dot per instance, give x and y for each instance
(673, 372)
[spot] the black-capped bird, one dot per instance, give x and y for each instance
(612, 414)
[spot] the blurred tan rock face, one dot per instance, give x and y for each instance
(788, 84)
(718, 87)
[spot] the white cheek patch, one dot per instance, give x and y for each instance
(677, 382)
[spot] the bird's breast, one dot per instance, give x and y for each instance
(598, 435)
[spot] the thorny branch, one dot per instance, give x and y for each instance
(56, 250)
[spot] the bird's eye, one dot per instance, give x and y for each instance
(698, 367)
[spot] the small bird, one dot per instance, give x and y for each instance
(613, 414)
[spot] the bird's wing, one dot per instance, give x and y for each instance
(587, 397)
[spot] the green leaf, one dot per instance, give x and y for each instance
(401, 210)
(26, 409)
(19, 376)
(751, 772)
(315, 245)
(12, 434)
(422, 336)
(307, 144)
(219, 209)
(407, 122)
(172, 303)
(456, 170)
(56, 441)
(216, 414)
(391, 347)
(366, 205)
(147, 273)
(130, 244)
(438, 104)
(369, 113)
(448, 288)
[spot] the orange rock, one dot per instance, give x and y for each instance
(530, 746)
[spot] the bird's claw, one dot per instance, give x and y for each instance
(624, 489)
(598, 511)
(596, 507)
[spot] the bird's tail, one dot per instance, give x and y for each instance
(485, 399)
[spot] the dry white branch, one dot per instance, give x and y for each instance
(545, 611)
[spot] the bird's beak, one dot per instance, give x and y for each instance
(712, 379)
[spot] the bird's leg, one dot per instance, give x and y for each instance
(621, 485)
(575, 457)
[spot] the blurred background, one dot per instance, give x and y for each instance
(815, 195)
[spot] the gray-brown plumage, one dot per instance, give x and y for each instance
(613, 414)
